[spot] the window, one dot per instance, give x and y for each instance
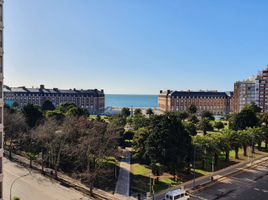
(1, 115)
(1, 13)
(1, 38)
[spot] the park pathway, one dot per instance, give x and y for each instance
(123, 182)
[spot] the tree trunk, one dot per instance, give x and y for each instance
(227, 156)
(203, 163)
(42, 162)
(31, 162)
(91, 190)
(266, 143)
(236, 153)
(216, 159)
(253, 149)
(10, 153)
(259, 146)
(245, 150)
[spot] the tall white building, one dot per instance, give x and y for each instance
(1, 99)
(248, 92)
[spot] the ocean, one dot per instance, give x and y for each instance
(135, 101)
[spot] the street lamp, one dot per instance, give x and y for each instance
(194, 166)
(252, 149)
(12, 184)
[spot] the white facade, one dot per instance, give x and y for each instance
(249, 92)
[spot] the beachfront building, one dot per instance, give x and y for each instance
(216, 102)
(263, 90)
(92, 100)
(245, 92)
(1, 98)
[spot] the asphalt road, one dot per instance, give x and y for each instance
(35, 186)
(246, 185)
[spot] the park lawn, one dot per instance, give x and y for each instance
(141, 179)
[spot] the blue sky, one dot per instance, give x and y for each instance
(134, 46)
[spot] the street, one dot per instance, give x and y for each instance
(246, 185)
(35, 186)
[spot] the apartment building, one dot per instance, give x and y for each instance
(245, 92)
(263, 89)
(216, 102)
(92, 100)
(1, 98)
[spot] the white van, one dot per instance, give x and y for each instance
(179, 194)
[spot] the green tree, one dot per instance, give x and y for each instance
(76, 112)
(235, 142)
(125, 112)
(205, 125)
(168, 142)
(245, 119)
(32, 114)
(208, 115)
(219, 125)
(55, 114)
(150, 112)
(190, 128)
(48, 105)
(140, 121)
(193, 118)
(140, 136)
(183, 115)
(138, 111)
(192, 109)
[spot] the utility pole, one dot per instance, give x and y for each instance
(212, 168)
(194, 166)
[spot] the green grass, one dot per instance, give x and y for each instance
(141, 179)
(138, 169)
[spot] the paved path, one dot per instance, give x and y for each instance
(249, 184)
(123, 183)
(35, 186)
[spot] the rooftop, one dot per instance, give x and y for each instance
(42, 89)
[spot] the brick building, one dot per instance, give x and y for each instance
(216, 102)
(92, 100)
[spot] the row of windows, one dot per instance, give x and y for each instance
(199, 97)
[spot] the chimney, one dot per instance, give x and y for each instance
(42, 87)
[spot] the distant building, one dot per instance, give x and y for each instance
(92, 100)
(263, 90)
(216, 102)
(245, 92)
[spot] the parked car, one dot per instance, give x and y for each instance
(179, 194)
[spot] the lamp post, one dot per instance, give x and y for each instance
(212, 168)
(252, 149)
(194, 166)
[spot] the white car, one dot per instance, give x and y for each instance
(179, 194)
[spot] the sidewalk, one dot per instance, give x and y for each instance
(68, 181)
(123, 182)
(218, 175)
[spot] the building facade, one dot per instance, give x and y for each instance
(245, 92)
(216, 102)
(263, 90)
(92, 100)
(1, 98)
